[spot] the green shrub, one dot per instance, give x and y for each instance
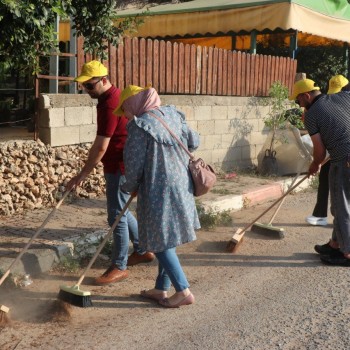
(210, 219)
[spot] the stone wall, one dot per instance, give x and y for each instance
(231, 128)
(34, 175)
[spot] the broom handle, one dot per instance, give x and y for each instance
(279, 199)
(281, 202)
(100, 247)
(36, 234)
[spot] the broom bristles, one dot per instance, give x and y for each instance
(268, 230)
(75, 296)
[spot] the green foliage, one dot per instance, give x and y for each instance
(68, 264)
(321, 63)
(222, 191)
(279, 105)
(27, 28)
(210, 219)
(314, 182)
(94, 21)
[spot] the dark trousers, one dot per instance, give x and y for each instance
(321, 206)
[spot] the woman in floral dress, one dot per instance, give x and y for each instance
(156, 168)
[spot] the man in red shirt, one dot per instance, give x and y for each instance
(108, 148)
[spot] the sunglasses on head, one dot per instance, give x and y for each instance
(91, 86)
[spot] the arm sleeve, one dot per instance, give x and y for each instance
(310, 123)
(192, 139)
(191, 136)
(134, 157)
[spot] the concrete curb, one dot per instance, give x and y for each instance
(254, 196)
(37, 261)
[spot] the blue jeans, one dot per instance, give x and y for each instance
(127, 227)
(170, 271)
(339, 184)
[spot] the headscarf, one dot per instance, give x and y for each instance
(142, 102)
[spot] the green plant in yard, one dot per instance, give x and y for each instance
(222, 191)
(210, 219)
(314, 182)
(68, 264)
(280, 112)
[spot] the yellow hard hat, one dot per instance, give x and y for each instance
(336, 83)
(129, 91)
(302, 86)
(92, 69)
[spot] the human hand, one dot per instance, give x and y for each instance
(74, 182)
(314, 168)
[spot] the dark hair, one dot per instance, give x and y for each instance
(346, 87)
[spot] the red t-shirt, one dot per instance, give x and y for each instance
(109, 125)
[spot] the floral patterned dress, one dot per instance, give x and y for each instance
(157, 168)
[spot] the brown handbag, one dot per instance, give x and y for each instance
(203, 175)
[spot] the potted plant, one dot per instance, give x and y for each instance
(281, 114)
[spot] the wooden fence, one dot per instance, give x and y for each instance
(177, 68)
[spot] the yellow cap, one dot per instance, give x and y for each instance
(92, 69)
(129, 91)
(336, 83)
(302, 86)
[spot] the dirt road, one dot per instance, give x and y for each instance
(271, 294)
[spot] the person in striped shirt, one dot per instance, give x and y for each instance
(327, 119)
(319, 214)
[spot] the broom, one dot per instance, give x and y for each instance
(74, 295)
(236, 239)
(268, 229)
(4, 309)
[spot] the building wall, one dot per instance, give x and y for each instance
(231, 128)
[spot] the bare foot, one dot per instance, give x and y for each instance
(154, 294)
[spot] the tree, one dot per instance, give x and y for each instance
(94, 21)
(27, 28)
(321, 63)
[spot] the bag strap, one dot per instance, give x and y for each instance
(172, 134)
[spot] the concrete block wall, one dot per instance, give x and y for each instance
(66, 119)
(231, 128)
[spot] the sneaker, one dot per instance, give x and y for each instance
(326, 249)
(335, 260)
(314, 220)
(112, 275)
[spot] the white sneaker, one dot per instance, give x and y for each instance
(314, 220)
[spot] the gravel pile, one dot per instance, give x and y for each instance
(34, 175)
